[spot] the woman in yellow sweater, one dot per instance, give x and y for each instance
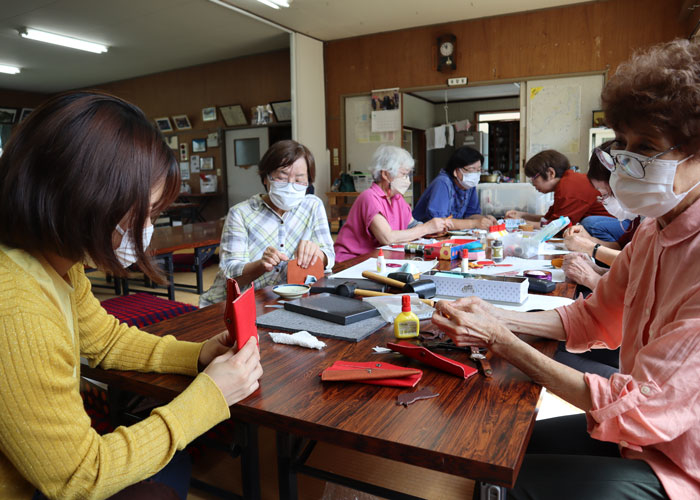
(81, 175)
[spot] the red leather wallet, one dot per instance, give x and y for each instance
(239, 315)
(435, 360)
(373, 372)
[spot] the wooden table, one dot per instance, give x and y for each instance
(478, 428)
(202, 237)
(198, 202)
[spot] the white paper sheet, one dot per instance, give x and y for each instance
(533, 301)
(518, 265)
(355, 272)
(548, 248)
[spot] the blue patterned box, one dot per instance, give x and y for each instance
(495, 288)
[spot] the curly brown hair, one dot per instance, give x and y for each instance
(658, 90)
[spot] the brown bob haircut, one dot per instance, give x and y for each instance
(74, 169)
(658, 92)
(282, 154)
(544, 160)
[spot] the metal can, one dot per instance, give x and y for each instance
(497, 250)
(414, 247)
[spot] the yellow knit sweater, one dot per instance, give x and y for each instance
(46, 441)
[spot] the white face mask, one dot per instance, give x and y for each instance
(651, 196)
(401, 184)
(286, 195)
(469, 180)
(615, 209)
(126, 252)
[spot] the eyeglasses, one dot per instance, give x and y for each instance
(602, 198)
(532, 179)
(297, 185)
(630, 164)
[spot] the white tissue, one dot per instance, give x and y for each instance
(301, 338)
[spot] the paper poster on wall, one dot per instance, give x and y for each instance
(194, 164)
(386, 110)
(185, 170)
(554, 119)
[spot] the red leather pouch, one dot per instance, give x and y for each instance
(373, 372)
(239, 315)
(435, 360)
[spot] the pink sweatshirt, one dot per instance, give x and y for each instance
(649, 304)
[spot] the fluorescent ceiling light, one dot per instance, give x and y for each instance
(65, 41)
(12, 70)
(276, 4)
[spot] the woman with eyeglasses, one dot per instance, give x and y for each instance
(381, 215)
(579, 266)
(574, 197)
(453, 193)
(262, 233)
(640, 434)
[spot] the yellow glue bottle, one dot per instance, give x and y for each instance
(406, 324)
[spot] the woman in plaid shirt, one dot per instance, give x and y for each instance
(263, 232)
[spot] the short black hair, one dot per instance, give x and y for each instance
(596, 170)
(462, 157)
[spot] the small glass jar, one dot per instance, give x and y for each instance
(497, 251)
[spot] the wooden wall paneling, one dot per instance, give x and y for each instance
(248, 81)
(572, 39)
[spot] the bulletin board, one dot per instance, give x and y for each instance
(360, 141)
(559, 114)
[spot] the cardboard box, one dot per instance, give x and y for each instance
(508, 289)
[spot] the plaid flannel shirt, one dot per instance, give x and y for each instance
(252, 226)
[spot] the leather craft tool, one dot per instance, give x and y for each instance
(425, 289)
(481, 361)
(408, 398)
(349, 289)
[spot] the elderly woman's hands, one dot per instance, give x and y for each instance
(308, 253)
(577, 239)
(438, 225)
(271, 257)
(471, 322)
(579, 268)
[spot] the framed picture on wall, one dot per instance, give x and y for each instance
(209, 114)
(206, 163)
(599, 118)
(213, 140)
(8, 115)
(25, 113)
(199, 145)
(182, 122)
(163, 124)
(282, 110)
(185, 170)
(233, 115)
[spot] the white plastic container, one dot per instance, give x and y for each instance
(497, 199)
(362, 181)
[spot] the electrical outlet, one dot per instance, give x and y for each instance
(218, 172)
(457, 81)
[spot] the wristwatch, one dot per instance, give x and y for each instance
(595, 250)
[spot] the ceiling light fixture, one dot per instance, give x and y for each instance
(275, 4)
(12, 70)
(65, 41)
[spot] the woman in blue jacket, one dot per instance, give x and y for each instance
(453, 193)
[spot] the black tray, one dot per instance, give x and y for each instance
(334, 308)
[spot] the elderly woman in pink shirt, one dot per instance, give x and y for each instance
(640, 435)
(381, 215)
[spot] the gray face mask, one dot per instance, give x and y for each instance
(126, 252)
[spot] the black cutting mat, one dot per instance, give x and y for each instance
(283, 320)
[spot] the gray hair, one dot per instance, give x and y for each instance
(390, 159)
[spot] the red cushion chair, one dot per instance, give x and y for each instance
(143, 309)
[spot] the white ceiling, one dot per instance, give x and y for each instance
(470, 93)
(150, 36)
(144, 37)
(333, 19)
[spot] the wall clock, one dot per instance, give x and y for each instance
(446, 45)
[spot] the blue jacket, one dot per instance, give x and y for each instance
(443, 198)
